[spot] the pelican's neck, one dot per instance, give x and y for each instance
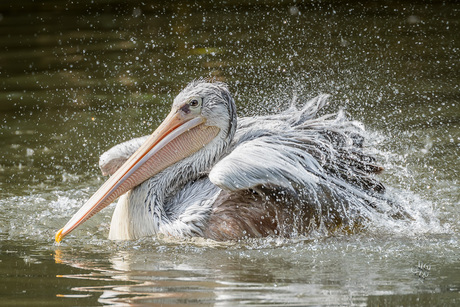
(143, 210)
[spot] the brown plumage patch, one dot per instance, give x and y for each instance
(242, 215)
(269, 212)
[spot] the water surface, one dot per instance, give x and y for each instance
(77, 78)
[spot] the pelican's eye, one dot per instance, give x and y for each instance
(195, 102)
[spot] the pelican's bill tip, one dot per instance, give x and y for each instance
(58, 236)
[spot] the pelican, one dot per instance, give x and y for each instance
(206, 173)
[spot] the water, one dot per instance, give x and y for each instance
(77, 78)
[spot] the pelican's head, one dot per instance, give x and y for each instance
(212, 102)
(203, 115)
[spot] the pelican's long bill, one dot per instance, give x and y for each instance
(180, 135)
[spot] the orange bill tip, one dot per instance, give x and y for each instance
(58, 236)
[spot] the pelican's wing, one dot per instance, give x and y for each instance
(297, 147)
(269, 161)
(266, 151)
(112, 159)
(320, 160)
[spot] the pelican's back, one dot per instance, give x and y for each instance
(294, 172)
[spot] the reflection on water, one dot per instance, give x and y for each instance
(261, 272)
(165, 271)
(77, 78)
